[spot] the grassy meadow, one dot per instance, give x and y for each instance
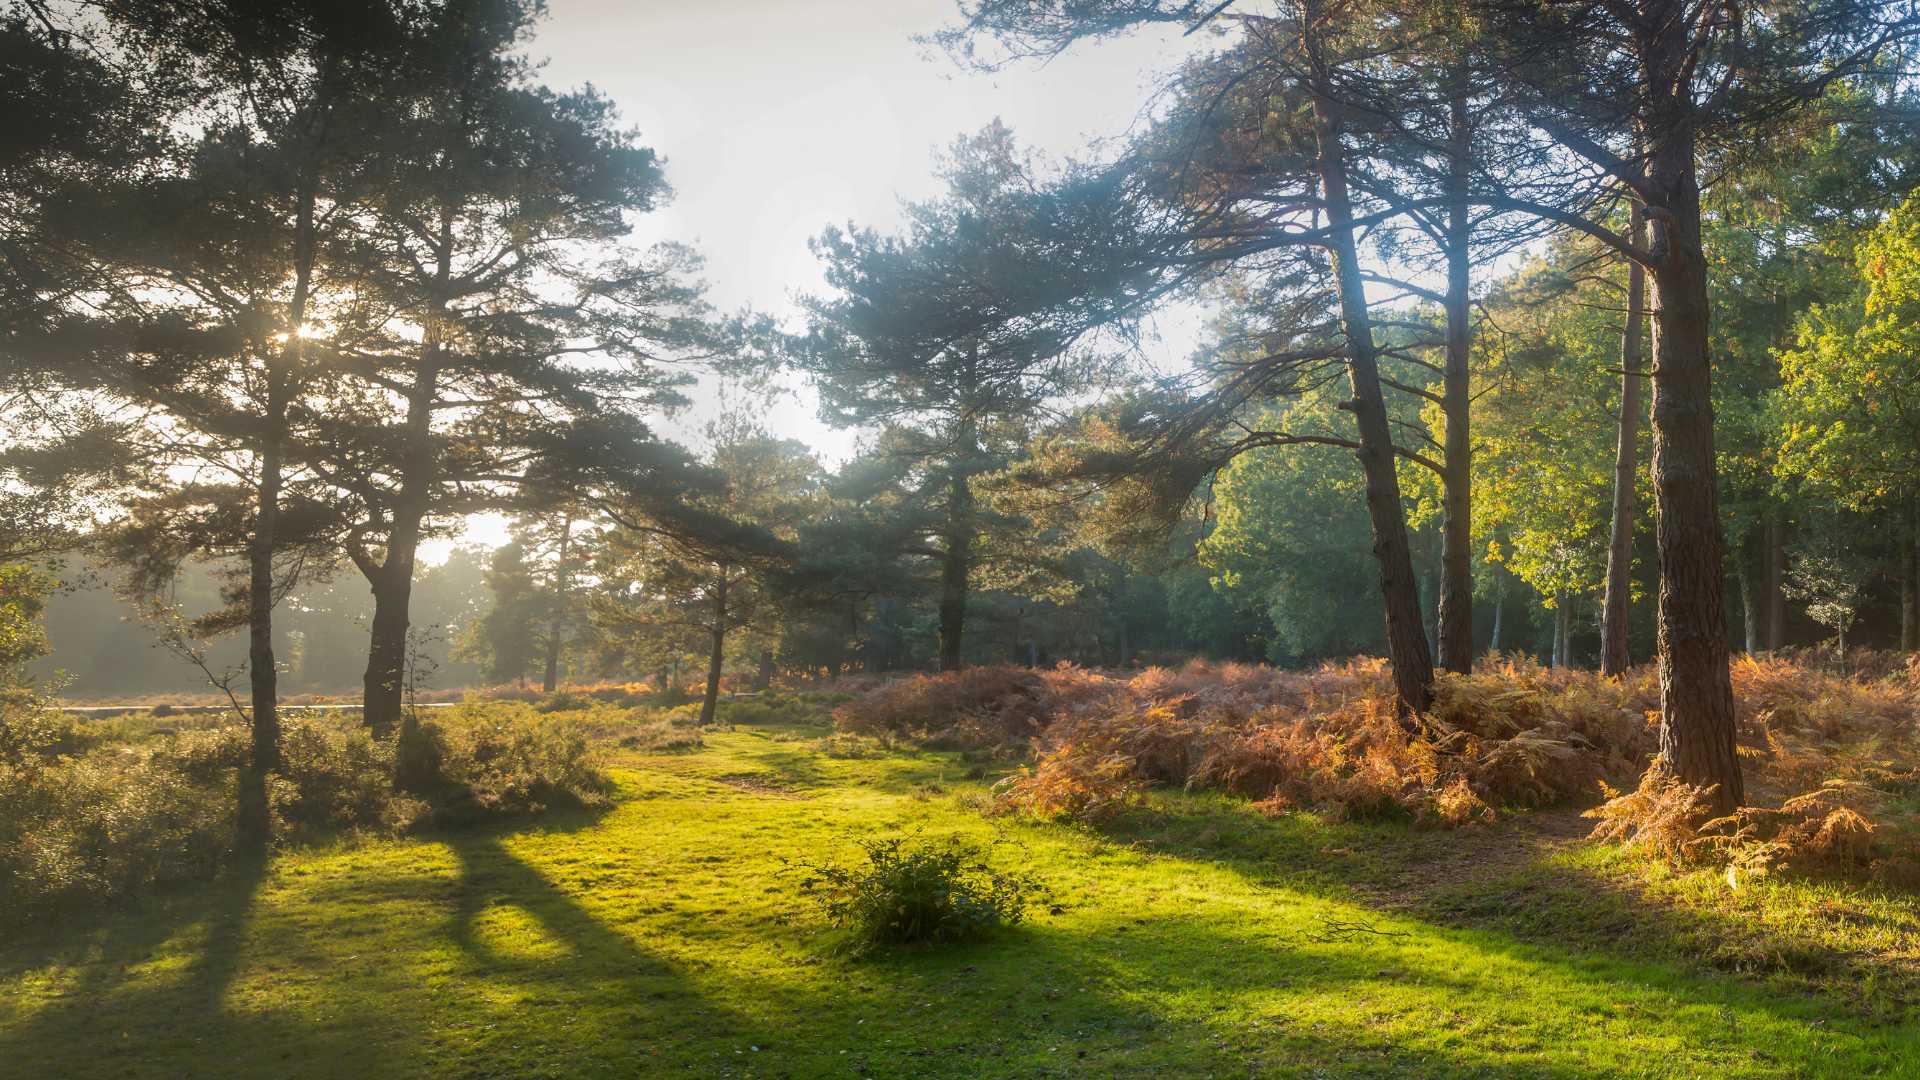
(665, 936)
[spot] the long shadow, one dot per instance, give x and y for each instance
(124, 977)
(1529, 905)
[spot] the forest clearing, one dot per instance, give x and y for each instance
(1190, 932)
(918, 538)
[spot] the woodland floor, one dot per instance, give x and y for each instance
(1198, 938)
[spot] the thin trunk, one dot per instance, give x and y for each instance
(1909, 588)
(764, 679)
(557, 626)
(1406, 637)
(1563, 632)
(1455, 633)
(1696, 690)
(254, 824)
(711, 702)
(1615, 607)
(1498, 608)
(1749, 605)
(1776, 574)
(956, 567)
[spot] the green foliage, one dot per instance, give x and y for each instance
(1291, 537)
(927, 891)
(1850, 395)
(85, 821)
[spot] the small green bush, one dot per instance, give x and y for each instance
(923, 892)
(494, 762)
(337, 777)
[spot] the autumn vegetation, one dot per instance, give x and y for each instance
(1403, 561)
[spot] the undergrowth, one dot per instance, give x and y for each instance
(1829, 757)
(85, 819)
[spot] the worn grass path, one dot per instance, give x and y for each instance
(663, 939)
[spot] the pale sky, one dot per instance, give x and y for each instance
(780, 117)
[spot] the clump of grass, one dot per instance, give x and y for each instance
(931, 891)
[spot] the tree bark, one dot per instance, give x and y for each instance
(715, 656)
(1406, 637)
(384, 684)
(956, 566)
(1775, 576)
(254, 823)
(1454, 633)
(392, 580)
(1563, 631)
(557, 625)
(764, 679)
(1696, 691)
(1749, 602)
(1910, 581)
(1499, 606)
(1617, 603)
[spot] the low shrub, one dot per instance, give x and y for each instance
(1829, 757)
(983, 706)
(494, 762)
(84, 822)
(921, 892)
(82, 829)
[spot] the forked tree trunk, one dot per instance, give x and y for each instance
(1454, 633)
(392, 579)
(1696, 690)
(1406, 637)
(1617, 603)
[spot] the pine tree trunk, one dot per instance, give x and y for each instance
(1406, 636)
(392, 581)
(384, 685)
(1454, 634)
(955, 567)
(1696, 691)
(557, 625)
(1616, 605)
(717, 653)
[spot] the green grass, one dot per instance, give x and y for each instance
(664, 938)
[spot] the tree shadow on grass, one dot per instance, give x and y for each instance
(1508, 884)
(148, 987)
